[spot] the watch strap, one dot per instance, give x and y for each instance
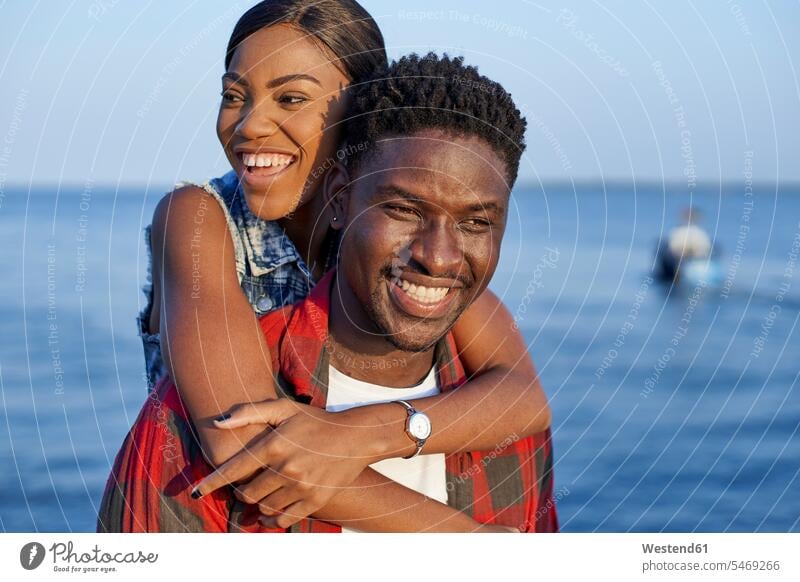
(410, 410)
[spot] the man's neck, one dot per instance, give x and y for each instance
(359, 350)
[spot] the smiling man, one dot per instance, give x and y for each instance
(425, 225)
(421, 211)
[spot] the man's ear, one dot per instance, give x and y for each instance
(336, 190)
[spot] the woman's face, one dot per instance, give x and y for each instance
(280, 96)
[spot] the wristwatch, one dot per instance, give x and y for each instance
(418, 427)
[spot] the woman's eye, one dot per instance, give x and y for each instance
(230, 97)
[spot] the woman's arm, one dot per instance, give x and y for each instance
(210, 338)
(337, 486)
(503, 397)
(315, 453)
(217, 355)
(377, 504)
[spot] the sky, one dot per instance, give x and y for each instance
(126, 92)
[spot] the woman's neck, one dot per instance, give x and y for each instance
(307, 228)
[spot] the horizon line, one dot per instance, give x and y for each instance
(641, 182)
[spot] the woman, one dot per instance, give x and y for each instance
(257, 229)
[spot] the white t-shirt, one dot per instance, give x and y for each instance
(423, 473)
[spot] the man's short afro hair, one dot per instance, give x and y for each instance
(416, 93)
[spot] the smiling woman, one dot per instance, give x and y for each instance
(277, 117)
(281, 104)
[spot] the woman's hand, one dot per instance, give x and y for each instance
(296, 468)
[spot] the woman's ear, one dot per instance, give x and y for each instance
(336, 190)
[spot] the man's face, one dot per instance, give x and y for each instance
(425, 216)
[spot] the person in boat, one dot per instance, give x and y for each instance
(689, 240)
(684, 243)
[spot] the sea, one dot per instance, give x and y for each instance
(676, 408)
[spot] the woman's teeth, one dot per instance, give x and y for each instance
(266, 160)
(422, 294)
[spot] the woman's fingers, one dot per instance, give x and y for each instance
(272, 412)
(279, 501)
(265, 483)
(237, 468)
(293, 514)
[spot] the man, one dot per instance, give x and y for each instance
(421, 207)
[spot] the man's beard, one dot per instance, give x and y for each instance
(381, 321)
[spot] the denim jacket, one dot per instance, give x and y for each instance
(270, 270)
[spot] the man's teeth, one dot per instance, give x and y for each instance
(422, 294)
(266, 160)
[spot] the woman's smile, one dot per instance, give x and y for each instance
(259, 169)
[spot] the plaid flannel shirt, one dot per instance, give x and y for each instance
(160, 461)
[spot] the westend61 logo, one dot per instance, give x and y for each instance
(66, 559)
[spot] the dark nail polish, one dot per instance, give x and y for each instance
(196, 494)
(225, 416)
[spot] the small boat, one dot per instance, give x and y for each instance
(691, 271)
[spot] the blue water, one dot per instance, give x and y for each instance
(705, 440)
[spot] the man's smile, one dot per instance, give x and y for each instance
(429, 300)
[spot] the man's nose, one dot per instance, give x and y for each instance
(257, 122)
(439, 249)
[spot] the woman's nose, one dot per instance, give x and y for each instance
(256, 123)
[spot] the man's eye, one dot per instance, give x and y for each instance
(476, 224)
(292, 99)
(401, 211)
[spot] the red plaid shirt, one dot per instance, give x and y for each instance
(160, 460)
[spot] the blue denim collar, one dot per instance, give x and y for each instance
(266, 245)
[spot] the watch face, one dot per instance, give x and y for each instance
(419, 425)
